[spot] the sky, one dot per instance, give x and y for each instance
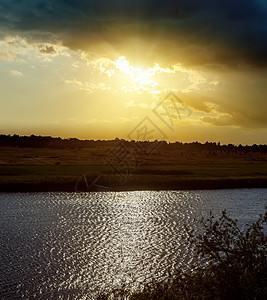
(193, 70)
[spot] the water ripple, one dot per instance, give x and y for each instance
(71, 246)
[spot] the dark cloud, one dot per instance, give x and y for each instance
(48, 50)
(199, 32)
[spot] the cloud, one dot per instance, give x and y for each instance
(131, 103)
(7, 50)
(194, 32)
(223, 120)
(48, 50)
(203, 36)
(18, 49)
(236, 119)
(89, 87)
(16, 73)
(7, 56)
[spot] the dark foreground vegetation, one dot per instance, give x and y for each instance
(231, 264)
(35, 164)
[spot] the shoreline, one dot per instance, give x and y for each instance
(70, 186)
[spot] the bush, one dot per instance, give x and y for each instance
(231, 264)
(236, 261)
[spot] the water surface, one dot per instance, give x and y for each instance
(63, 245)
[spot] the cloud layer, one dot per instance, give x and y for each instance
(195, 32)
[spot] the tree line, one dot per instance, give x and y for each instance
(34, 141)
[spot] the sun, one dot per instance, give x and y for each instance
(142, 78)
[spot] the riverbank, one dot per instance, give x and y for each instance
(135, 183)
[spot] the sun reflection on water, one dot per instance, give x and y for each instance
(82, 243)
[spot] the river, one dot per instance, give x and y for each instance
(74, 245)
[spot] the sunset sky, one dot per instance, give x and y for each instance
(97, 69)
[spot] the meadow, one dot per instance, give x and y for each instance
(60, 169)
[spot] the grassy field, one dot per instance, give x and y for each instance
(34, 169)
